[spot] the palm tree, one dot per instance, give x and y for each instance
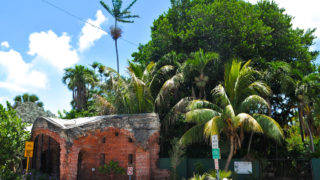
(80, 80)
(119, 16)
(130, 96)
(307, 89)
(238, 108)
(27, 98)
(185, 74)
(198, 62)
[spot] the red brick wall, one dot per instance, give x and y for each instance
(115, 148)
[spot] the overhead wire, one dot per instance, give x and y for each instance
(83, 21)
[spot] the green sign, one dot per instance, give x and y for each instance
(216, 153)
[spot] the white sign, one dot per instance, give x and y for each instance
(130, 171)
(243, 167)
(216, 163)
(215, 141)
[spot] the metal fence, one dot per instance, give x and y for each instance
(275, 169)
(295, 169)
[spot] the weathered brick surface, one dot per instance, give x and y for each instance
(82, 153)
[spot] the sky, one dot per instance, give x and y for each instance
(38, 41)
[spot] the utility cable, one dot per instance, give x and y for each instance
(83, 21)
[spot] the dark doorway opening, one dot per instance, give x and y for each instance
(46, 157)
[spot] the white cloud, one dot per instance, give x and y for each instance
(90, 34)
(5, 44)
(56, 50)
(20, 74)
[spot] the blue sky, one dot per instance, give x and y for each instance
(37, 41)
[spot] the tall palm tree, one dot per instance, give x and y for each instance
(120, 15)
(306, 91)
(80, 80)
(238, 108)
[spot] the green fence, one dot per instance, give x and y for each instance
(189, 165)
(316, 168)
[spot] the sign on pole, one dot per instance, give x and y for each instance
(216, 153)
(215, 141)
(216, 164)
(130, 171)
(28, 151)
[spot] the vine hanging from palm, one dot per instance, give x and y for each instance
(119, 15)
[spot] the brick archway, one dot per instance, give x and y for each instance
(49, 152)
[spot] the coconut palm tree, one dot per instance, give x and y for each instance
(119, 15)
(238, 108)
(80, 80)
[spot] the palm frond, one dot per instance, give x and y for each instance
(270, 127)
(129, 6)
(201, 115)
(231, 74)
(176, 110)
(261, 88)
(228, 112)
(214, 127)
(220, 95)
(107, 8)
(169, 86)
(253, 101)
(248, 122)
(193, 135)
(197, 104)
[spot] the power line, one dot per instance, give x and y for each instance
(80, 19)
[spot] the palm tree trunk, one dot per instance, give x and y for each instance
(250, 141)
(301, 122)
(116, 44)
(310, 136)
(226, 167)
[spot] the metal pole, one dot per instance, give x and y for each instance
(27, 164)
(217, 174)
(130, 177)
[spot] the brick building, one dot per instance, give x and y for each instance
(75, 149)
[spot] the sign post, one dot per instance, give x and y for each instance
(216, 153)
(28, 152)
(130, 172)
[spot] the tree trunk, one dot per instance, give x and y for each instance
(116, 44)
(250, 141)
(269, 109)
(301, 122)
(310, 136)
(226, 167)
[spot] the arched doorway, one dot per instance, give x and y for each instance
(46, 155)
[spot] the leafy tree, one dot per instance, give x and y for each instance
(80, 80)
(13, 135)
(261, 32)
(120, 15)
(238, 108)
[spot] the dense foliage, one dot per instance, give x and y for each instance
(12, 139)
(191, 45)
